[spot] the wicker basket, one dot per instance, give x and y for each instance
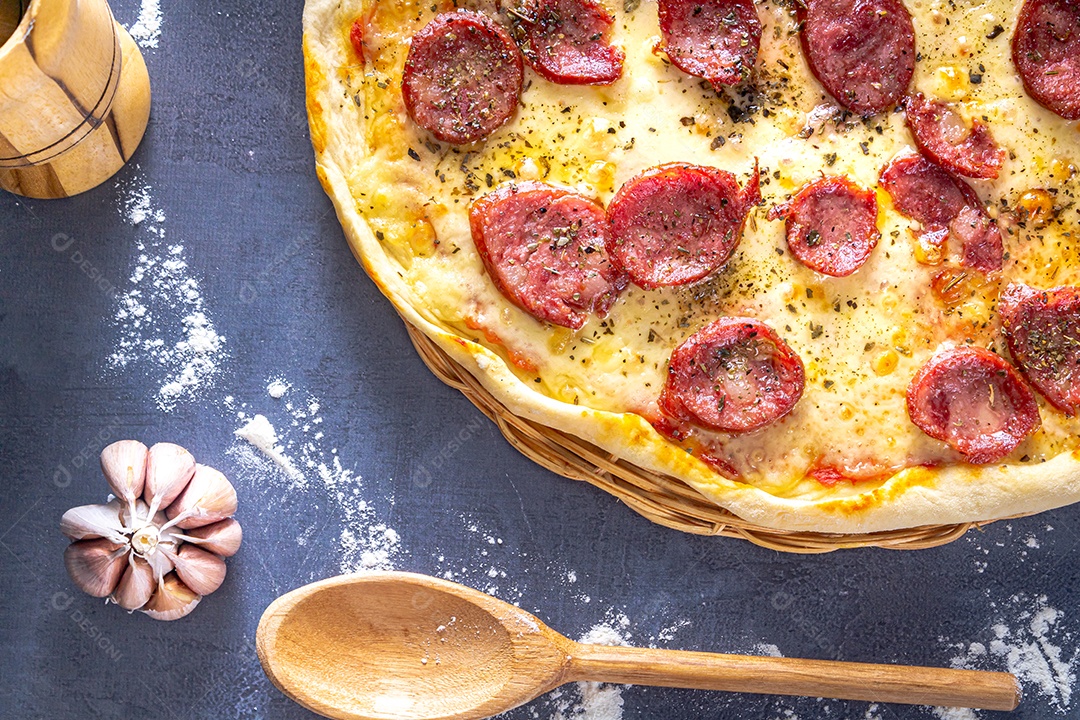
(663, 499)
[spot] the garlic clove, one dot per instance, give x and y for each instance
(200, 570)
(95, 565)
(169, 468)
(136, 585)
(221, 538)
(208, 498)
(94, 521)
(172, 600)
(124, 465)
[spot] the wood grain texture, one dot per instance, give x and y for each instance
(74, 99)
(793, 676)
(398, 645)
(401, 646)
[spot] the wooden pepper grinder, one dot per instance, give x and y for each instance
(74, 96)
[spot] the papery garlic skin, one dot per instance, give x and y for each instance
(221, 538)
(172, 601)
(200, 570)
(95, 565)
(208, 498)
(124, 466)
(169, 468)
(87, 522)
(158, 546)
(136, 585)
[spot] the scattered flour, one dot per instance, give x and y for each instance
(260, 433)
(590, 700)
(476, 561)
(297, 452)
(945, 713)
(767, 649)
(161, 317)
(147, 29)
(667, 634)
(277, 388)
(1029, 645)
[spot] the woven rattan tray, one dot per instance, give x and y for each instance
(661, 498)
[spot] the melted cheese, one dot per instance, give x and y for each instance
(861, 338)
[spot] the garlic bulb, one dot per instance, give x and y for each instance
(158, 545)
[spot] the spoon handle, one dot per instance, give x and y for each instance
(792, 676)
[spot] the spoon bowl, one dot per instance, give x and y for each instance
(401, 646)
(398, 645)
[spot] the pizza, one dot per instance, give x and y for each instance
(818, 259)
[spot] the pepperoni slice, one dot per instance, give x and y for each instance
(1042, 328)
(974, 401)
(713, 39)
(462, 77)
(942, 136)
(566, 41)
(1046, 53)
(831, 225)
(676, 224)
(980, 239)
(943, 203)
(862, 51)
(545, 249)
(734, 375)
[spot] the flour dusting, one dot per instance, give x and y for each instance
(944, 713)
(163, 325)
(296, 449)
(591, 700)
(277, 388)
(261, 434)
(1028, 642)
(147, 28)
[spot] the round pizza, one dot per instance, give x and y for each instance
(818, 259)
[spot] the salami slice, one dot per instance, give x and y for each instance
(566, 41)
(831, 225)
(943, 137)
(944, 204)
(713, 39)
(862, 51)
(545, 249)
(974, 401)
(734, 375)
(676, 224)
(1042, 328)
(462, 77)
(1046, 53)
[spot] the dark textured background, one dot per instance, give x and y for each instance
(227, 154)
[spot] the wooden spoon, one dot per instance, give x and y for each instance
(400, 646)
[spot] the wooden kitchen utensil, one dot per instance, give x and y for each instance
(74, 96)
(399, 646)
